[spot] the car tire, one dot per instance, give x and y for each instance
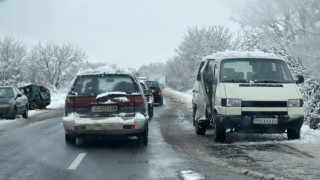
(161, 102)
(14, 113)
(143, 138)
(150, 112)
(293, 134)
(25, 113)
(34, 105)
(219, 134)
(70, 139)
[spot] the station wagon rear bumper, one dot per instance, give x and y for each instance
(101, 127)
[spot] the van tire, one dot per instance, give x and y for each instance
(293, 134)
(200, 130)
(219, 134)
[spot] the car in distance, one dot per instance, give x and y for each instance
(12, 103)
(38, 96)
(149, 97)
(103, 102)
(252, 92)
(156, 91)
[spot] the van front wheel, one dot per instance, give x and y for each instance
(219, 134)
(293, 134)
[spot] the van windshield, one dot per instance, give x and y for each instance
(246, 70)
(94, 85)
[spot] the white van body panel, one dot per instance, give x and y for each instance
(288, 91)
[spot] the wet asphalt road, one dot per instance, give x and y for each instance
(37, 150)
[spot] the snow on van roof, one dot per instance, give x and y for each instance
(104, 70)
(241, 54)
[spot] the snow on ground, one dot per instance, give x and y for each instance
(190, 175)
(57, 102)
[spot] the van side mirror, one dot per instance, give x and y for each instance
(210, 79)
(300, 79)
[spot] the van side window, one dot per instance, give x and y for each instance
(199, 75)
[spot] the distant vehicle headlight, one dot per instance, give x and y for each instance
(295, 103)
(5, 105)
(234, 102)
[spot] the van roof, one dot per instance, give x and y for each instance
(240, 54)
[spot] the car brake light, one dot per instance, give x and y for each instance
(159, 93)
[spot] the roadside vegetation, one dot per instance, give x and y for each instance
(288, 28)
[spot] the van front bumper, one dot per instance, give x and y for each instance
(246, 124)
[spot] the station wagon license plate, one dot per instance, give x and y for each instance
(110, 108)
(265, 120)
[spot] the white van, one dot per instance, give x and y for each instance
(246, 92)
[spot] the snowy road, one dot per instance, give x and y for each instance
(255, 155)
(34, 149)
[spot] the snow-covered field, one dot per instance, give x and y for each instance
(57, 102)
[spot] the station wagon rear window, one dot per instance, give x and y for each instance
(94, 85)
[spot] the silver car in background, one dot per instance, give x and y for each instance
(12, 103)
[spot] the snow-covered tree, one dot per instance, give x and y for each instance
(53, 64)
(12, 56)
(290, 29)
(197, 43)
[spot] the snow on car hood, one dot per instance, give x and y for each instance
(74, 117)
(254, 93)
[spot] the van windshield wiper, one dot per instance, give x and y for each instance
(236, 81)
(267, 81)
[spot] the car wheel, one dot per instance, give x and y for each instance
(150, 112)
(70, 139)
(143, 138)
(34, 105)
(293, 134)
(25, 113)
(14, 113)
(219, 134)
(161, 102)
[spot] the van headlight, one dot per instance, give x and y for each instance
(233, 102)
(295, 103)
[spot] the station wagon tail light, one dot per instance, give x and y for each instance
(159, 93)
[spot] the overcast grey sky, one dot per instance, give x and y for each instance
(129, 33)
